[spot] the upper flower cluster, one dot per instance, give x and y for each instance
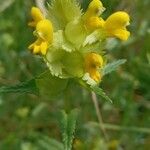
(73, 43)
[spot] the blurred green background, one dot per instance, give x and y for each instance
(26, 119)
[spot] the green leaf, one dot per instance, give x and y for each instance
(73, 64)
(68, 124)
(62, 12)
(112, 66)
(44, 84)
(91, 87)
(100, 92)
(24, 87)
(76, 33)
(49, 85)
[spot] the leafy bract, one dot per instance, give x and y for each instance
(62, 12)
(76, 33)
(50, 85)
(61, 43)
(73, 64)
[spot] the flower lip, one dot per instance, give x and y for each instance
(115, 25)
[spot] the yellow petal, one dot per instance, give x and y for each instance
(36, 49)
(94, 23)
(95, 8)
(44, 29)
(93, 62)
(43, 48)
(122, 34)
(36, 15)
(95, 75)
(118, 19)
(91, 17)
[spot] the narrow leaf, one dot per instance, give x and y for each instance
(24, 87)
(72, 118)
(68, 124)
(112, 66)
(100, 92)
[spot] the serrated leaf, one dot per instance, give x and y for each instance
(112, 66)
(72, 118)
(44, 84)
(99, 91)
(68, 124)
(49, 85)
(24, 87)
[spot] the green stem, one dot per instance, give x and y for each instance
(108, 126)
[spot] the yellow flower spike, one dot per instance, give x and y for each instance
(36, 15)
(44, 32)
(91, 17)
(115, 25)
(93, 62)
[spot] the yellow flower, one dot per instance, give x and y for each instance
(36, 15)
(44, 32)
(91, 17)
(93, 62)
(115, 25)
